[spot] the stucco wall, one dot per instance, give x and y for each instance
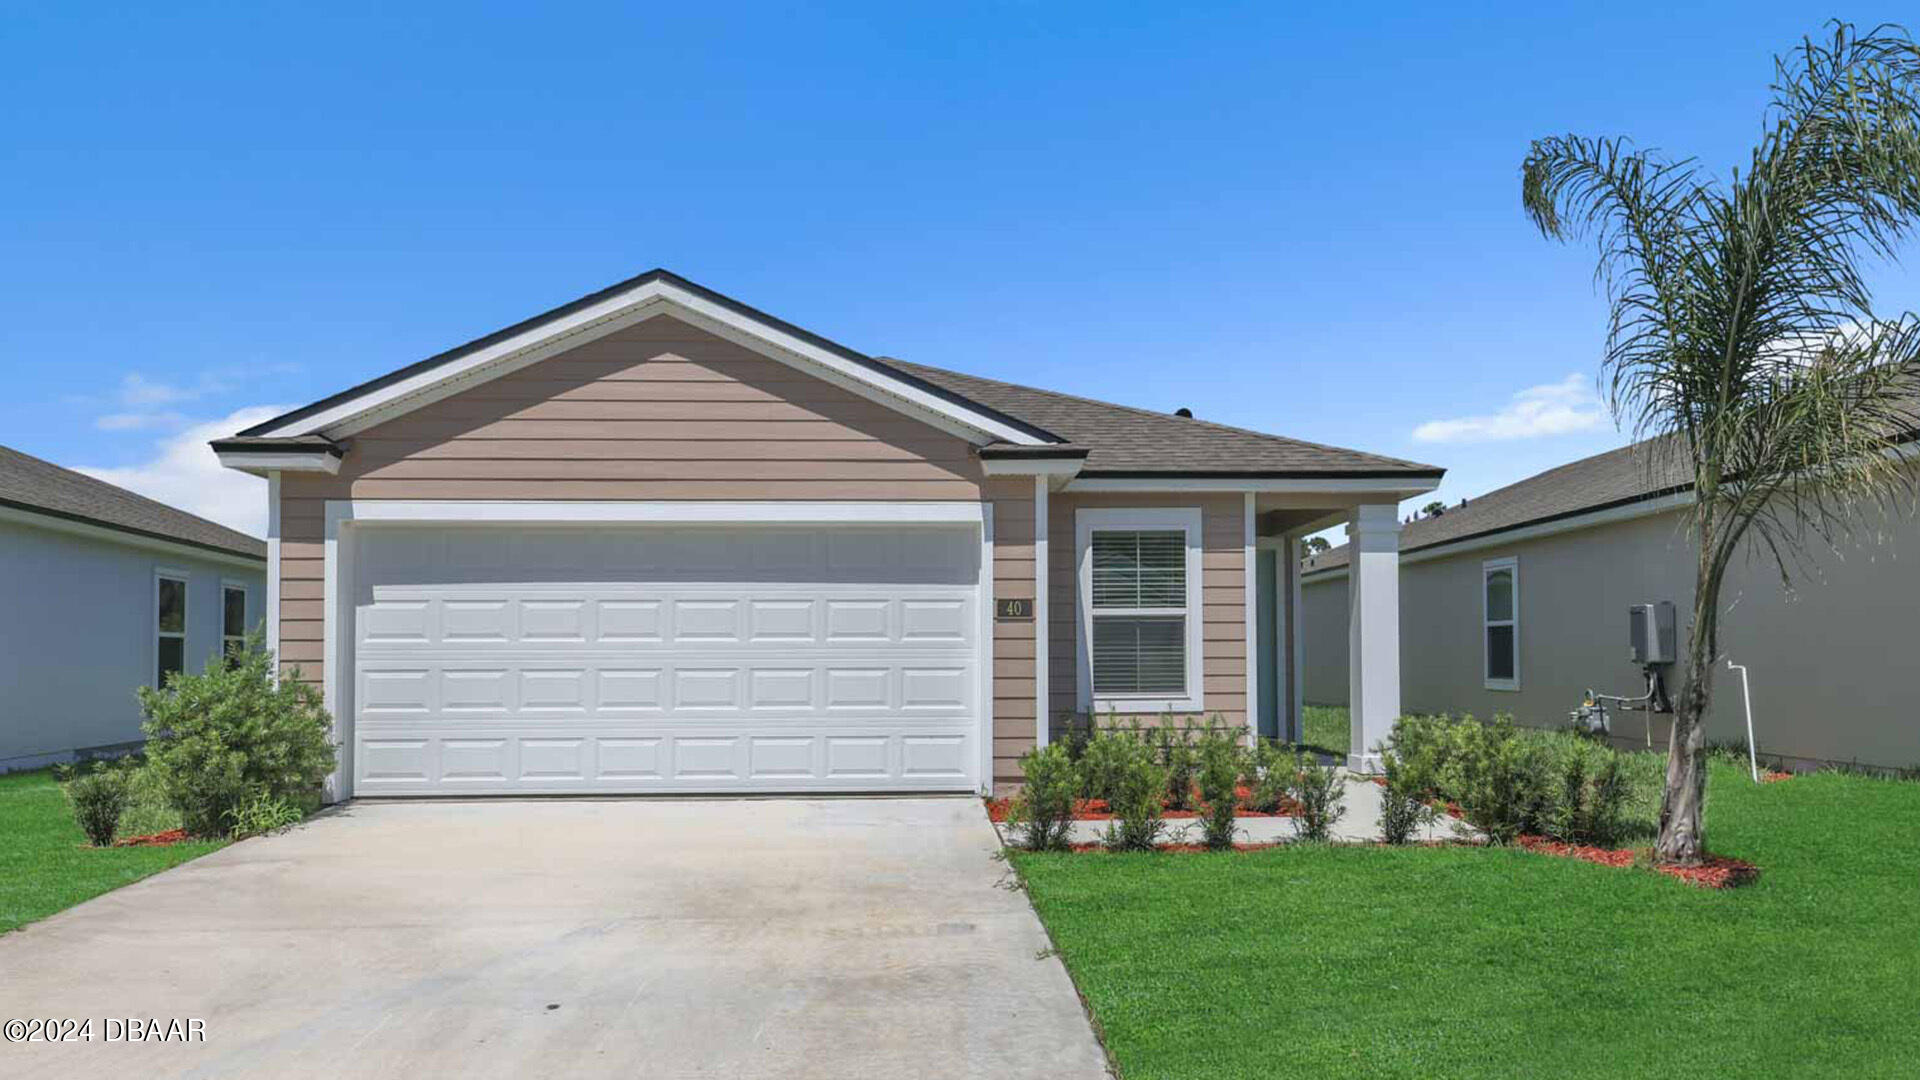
(1828, 662)
(77, 637)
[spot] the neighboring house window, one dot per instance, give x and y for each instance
(233, 619)
(1500, 616)
(170, 625)
(1140, 610)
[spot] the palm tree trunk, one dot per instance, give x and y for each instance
(1683, 834)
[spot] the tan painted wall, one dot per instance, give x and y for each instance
(1223, 586)
(1829, 663)
(663, 410)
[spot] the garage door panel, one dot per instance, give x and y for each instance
(830, 680)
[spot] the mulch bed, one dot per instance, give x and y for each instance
(1717, 872)
(1179, 849)
(159, 839)
(1097, 810)
(1772, 777)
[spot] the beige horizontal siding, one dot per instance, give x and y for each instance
(660, 410)
(1014, 721)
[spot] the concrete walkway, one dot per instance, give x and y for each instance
(565, 938)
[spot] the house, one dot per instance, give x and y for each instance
(106, 591)
(1516, 603)
(656, 540)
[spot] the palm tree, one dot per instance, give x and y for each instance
(1742, 338)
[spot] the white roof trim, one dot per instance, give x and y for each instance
(1588, 520)
(260, 464)
(644, 301)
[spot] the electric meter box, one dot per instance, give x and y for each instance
(1650, 633)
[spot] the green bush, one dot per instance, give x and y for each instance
(1320, 793)
(1182, 764)
(1510, 781)
(1269, 773)
(1220, 764)
(99, 796)
(1137, 801)
(1106, 756)
(1042, 813)
(235, 733)
(1403, 807)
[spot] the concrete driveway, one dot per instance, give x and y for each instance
(640, 938)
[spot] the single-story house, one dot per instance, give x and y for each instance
(106, 591)
(1517, 603)
(657, 540)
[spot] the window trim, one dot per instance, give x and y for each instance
(1511, 564)
(1088, 521)
(246, 601)
(169, 573)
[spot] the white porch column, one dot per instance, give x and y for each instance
(1373, 582)
(1041, 703)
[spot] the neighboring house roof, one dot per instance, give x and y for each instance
(41, 487)
(1615, 478)
(1114, 440)
(1121, 439)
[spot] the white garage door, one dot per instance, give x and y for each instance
(666, 658)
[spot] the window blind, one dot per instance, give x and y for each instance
(1139, 613)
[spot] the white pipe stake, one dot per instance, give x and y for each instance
(1746, 694)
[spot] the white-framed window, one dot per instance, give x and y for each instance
(1500, 623)
(233, 618)
(169, 624)
(1140, 640)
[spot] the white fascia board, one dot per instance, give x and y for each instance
(1031, 466)
(117, 536)
(260, 464)
(1371, 487)
(1593, 519)
(474, 512)
(642, 302)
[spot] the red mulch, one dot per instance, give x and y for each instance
(171, 836)
(1717, 872)
(1773, 777)
(1097, 810)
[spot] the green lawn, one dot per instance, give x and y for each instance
(1324, 728)
(45, 863)
(1462, 962)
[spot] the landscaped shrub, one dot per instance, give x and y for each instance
(99, 796)
(1403, 807)
(1137, 800)
(235, 733)
(1042, 812)
(1320, 793)
(1105, 757)
(1269, 773)
(1181, 761)
(1219, 775)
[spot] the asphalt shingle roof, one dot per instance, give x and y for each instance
(28, 483)
(1626, 475)
(1124, 439)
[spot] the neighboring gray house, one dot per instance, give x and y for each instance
(105, 590)
(1516, 602)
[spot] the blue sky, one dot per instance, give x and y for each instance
(1291, 219)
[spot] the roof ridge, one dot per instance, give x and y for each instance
(1138, 410)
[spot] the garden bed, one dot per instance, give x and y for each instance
(1717, 872)
(1096, 809)
(159, 839)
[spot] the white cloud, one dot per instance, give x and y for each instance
(184, 474)
(136, 390)
(136, 421)
(1561, 408)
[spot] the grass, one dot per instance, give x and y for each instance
(45, 863)
(1463, 962)
(1325, 728)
